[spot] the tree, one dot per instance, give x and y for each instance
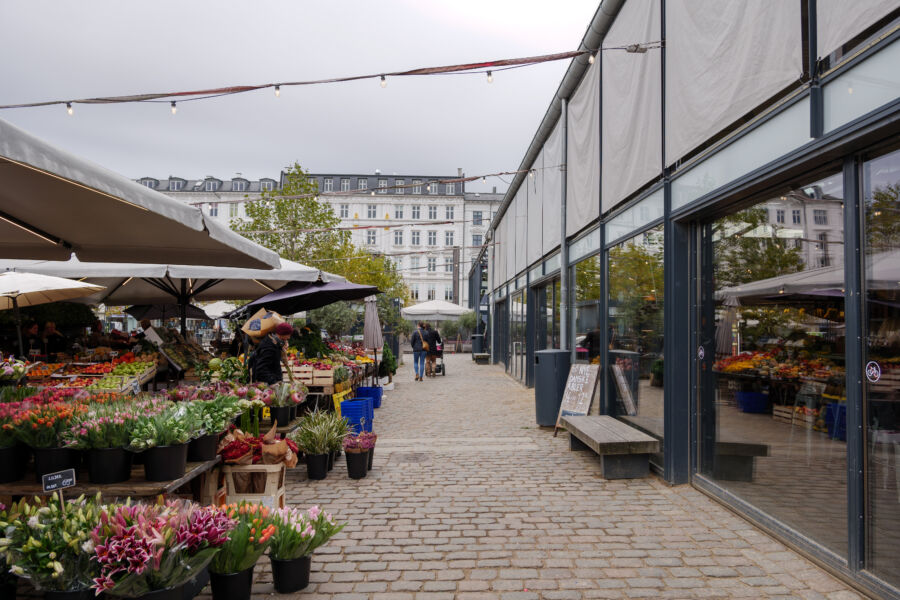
(336, 318)
(749, 249)
(883, 219)
(293, 222)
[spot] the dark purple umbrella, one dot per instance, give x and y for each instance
(303, 295)
(165, 311)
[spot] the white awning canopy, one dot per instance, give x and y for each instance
(433, 310)
(53, 203)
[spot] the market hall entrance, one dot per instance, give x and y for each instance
(517, 350)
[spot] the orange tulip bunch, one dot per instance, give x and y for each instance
(247, 541)
(40, 426)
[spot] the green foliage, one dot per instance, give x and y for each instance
(449, 329)
(749, 249)
(636, 291)
(308, 340)
(883, 218)
(388, 364)
(468, 321)
(336, 318)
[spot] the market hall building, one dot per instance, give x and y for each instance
(709, 210)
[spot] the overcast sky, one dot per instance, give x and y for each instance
(427, 125)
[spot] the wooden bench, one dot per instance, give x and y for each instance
(734, 460)
(481, 358)
(624, 451)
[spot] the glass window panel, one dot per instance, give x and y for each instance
(635, 335)
(551, 264)
(584, 246)
(588, 301)
(881, 185)
(870, 84)
(646, 211)
(772, 370)
(781, 134)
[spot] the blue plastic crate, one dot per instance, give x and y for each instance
(836, 421)
(752, 402)
(358, 412)
(375, 393)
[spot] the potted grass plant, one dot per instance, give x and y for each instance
(314, 438)
(297, 535)
(231, 570)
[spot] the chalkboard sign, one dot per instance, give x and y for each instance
(59, 480)
(579, 391)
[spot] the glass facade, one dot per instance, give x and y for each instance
(517, 312)
(588, 303)
(881, 197)
(772, 358)
(635, 332)
(547, 322)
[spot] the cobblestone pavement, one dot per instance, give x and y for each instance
(469, 499)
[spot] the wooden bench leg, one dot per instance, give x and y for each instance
(624, 466)
(576, 444)
(733, 468)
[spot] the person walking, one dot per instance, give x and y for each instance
(433, 337)
(419, 347)
(267, 358)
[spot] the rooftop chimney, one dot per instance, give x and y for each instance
(495, 189)
(459, 172)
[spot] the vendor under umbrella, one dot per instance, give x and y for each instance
(267, 358)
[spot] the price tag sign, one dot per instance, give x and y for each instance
(266, 413)
(135, 387)
(59, 480)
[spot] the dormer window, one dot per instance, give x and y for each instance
(150, 183)
(238, 185)
(211, 185)
(176, 185)
(266, 185)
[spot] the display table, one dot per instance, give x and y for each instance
(135, 487)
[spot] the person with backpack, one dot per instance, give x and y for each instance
(419, 347)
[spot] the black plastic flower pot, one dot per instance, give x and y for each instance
(232, 586)
(165, 463)
(330, 460)
(8, 588)
(280, 415)
(194, 586)
(371, 457)
(51, 460)
(203, 448)
(317, 466)
(109, 465)
(172, 593)
(76, 595)
(290, 575)
(294, 409)
(356, 464)
(12, 463)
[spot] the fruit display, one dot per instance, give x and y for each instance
(185, 356)
(43, 370)
(133, 368)
(774, 365)
(108, 383)
(78, 382)
(97, 369)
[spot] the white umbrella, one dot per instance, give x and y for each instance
(53, 203)
(372, 337)
(433, 310)
(29, 289)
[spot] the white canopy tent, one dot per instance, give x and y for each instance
(433, 310)
(128, 284)
(53, 203)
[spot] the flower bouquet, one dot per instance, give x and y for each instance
(145, 548)
(11, 370)
(40, 427)
(298, 533)
(356, 448)
(212, 418)
(231, 570)
(104, 431)
(51, 545)
(164, 436)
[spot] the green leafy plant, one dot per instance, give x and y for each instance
(247, 541)
(172, 426)
(388, 366)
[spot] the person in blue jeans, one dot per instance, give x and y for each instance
(418, 348)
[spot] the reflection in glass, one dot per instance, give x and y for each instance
(547, 321)
(635, 336)
(587, 303)
(517, 335)
(881, 181)
(772, 400)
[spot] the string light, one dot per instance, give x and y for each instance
(277, 91)
(490, 77)
(531, 173)
(174, 108)
(591, 58)
(484, 180)
(383, 82)
(69, 108)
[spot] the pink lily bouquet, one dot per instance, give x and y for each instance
(143, 548)
(299, 532)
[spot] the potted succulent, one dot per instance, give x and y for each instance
(338, 427)
(231, 570)
(357, 457)
(163, 437)
(40, 427)
(151, 551)
(297, 535)
(51, 546)
(13, 455)
(104, 431)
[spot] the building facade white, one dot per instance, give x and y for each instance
(432, 231)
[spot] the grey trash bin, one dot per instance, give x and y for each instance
(477, 343)
(551, 369)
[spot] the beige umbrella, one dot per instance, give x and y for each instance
(30, 289)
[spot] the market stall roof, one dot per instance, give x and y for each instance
(299, 296)
(166, 311)
(433, 310)
(53, 203)
(158, 284)
(882, 273)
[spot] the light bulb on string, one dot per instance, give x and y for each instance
(69, 108)
(277, 91)
(484, 180)
(174, 108)
(383, 82)
(591, 59)
(531, 173)
(490, 77)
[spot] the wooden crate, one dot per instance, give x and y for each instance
(804, 421)
(267, 484)
(783, 414)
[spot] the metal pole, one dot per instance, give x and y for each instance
(182, 307)
(18, 326)
(563, 249)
